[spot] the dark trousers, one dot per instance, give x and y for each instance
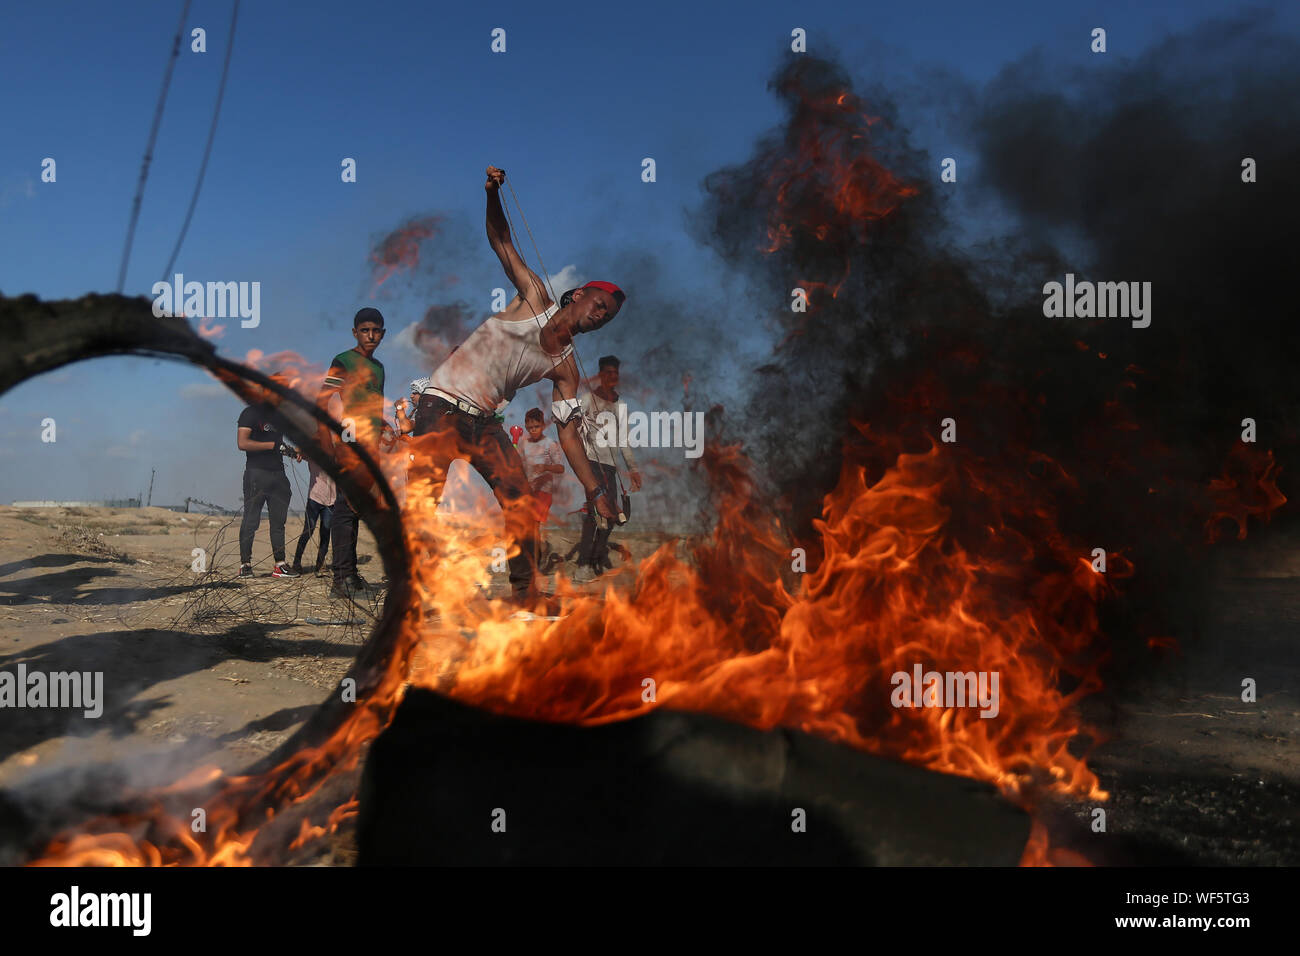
(593, 547)
(443, 433)
(343, 537)
(264, 486)
(315, 512)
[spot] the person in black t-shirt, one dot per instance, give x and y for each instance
(265, 483)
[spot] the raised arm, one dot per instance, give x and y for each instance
(564, 398)
(531, 289)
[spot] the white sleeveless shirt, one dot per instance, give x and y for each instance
(499, 358)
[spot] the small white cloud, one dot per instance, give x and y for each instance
(119, 451)
(432, 348)
(14, 190)
(203, 390)
(405, 339)
(567, 278)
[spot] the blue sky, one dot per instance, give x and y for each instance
(412, 91)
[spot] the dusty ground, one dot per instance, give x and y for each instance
(216, 669)
(186, 666)
(1196, 775)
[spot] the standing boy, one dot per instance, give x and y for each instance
(358, 379)
(542, 459)
(593, 547)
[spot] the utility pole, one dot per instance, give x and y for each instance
(152, 472)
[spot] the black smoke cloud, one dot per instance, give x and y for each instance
(1125, 171)
(1139, 165)
(426, 257)
(1144, 162)
(441, 329)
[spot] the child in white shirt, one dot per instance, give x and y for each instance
(542, 461)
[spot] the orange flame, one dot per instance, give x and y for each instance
(829, 161)
(1247, 488)
(736, 632)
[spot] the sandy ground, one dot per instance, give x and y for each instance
(113, 590)
(220, 672)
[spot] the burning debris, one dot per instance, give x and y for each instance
(661, 789)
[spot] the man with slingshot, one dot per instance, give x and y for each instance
(531, 340)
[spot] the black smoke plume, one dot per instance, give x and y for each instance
(1130, 171)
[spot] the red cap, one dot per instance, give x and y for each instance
(607, 287)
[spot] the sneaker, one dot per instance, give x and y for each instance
(356, 582)
(283, 570)
(583, 574)
(297, 568)
(324, 571)
(245, 570)
(532, 606)
(529, 616)
(340, 590)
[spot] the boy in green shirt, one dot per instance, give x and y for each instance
(358, 379)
